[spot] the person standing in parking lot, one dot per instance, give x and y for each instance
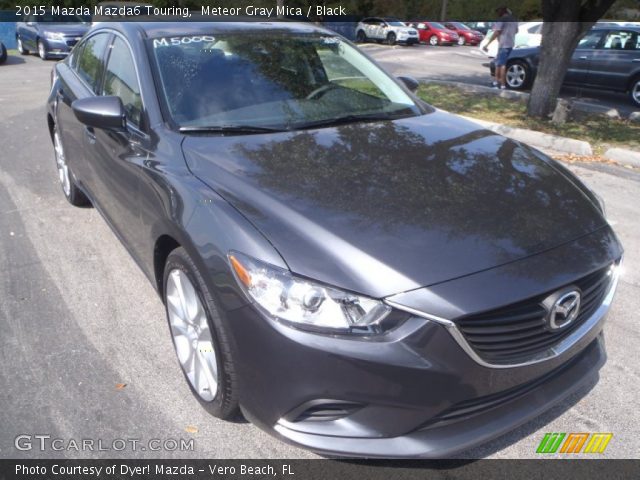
(504, 30)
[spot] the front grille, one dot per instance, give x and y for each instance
(518, 332)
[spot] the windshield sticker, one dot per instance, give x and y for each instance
(176, 41)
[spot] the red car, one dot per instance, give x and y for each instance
(466, 35)
(434, 33)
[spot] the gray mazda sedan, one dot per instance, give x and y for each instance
(360, 273)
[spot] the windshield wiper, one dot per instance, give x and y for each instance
(240, 129)
(370, 117)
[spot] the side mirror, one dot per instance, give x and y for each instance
(100, 112)
(411, 83)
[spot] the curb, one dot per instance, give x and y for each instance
(538, 139)
(623, 156)
(578, 105)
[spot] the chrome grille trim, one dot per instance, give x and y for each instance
(549, 353)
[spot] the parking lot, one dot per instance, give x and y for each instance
(467, 64)
(85, 351)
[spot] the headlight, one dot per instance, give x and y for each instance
(54, 35)
(301, 302)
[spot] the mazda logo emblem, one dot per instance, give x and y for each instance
(564, 310)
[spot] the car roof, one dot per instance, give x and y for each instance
(181, 28)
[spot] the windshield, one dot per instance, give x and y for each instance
(272, 79)
(395, 23)
(461, 26)
(437, 25)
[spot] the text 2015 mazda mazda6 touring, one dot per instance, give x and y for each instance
(362, 274)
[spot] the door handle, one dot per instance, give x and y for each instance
(636, 60)
(584, 58)
(90, 133)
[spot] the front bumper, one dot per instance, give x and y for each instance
(415, 391)
(61, 47)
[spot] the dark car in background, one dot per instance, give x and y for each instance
(466, 35)
(363, 274)
(605, 59)
(49, 35)
(3, 53)
(434, 33)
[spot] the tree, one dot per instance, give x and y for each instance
(565, 21)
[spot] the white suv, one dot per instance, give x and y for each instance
(388, 30)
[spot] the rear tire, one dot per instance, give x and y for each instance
(433, 40)
(3, 53)
(221, 374)
(361, 37)
(21, 49)
(518, 75)
(461, 41)
(634, 91)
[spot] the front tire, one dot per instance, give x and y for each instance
(433, 41)
(361, 37)
(461, 41)
(199, 336)
(391, 39)
(518, 75)
(72, 193)
(21, 49)
(634, 92)
(3, 53)
(42, 50)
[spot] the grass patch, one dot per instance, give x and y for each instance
(601, 131)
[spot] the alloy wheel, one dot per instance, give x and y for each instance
(461, 40)
(516, 75)
(635, 92)
(21, 48)
(192, 337)
(61, 163)
(433, 40)
(42, 51)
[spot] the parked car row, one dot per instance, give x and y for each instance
(392, 31)
(606, 58)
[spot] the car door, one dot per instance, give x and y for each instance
(579, 64)
(79, 77)
(118, 155)
(375, 29)
(28, 33)
(614, 59)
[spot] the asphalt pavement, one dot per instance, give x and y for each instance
(468, 64)
(85, 352)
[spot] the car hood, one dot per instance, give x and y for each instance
(386, 207)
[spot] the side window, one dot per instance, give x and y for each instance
(590, 40)
(621, 40)
(121, 80)
(89, 62)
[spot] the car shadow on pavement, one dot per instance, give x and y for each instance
(14, 60)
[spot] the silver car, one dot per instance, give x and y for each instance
(389, 30)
